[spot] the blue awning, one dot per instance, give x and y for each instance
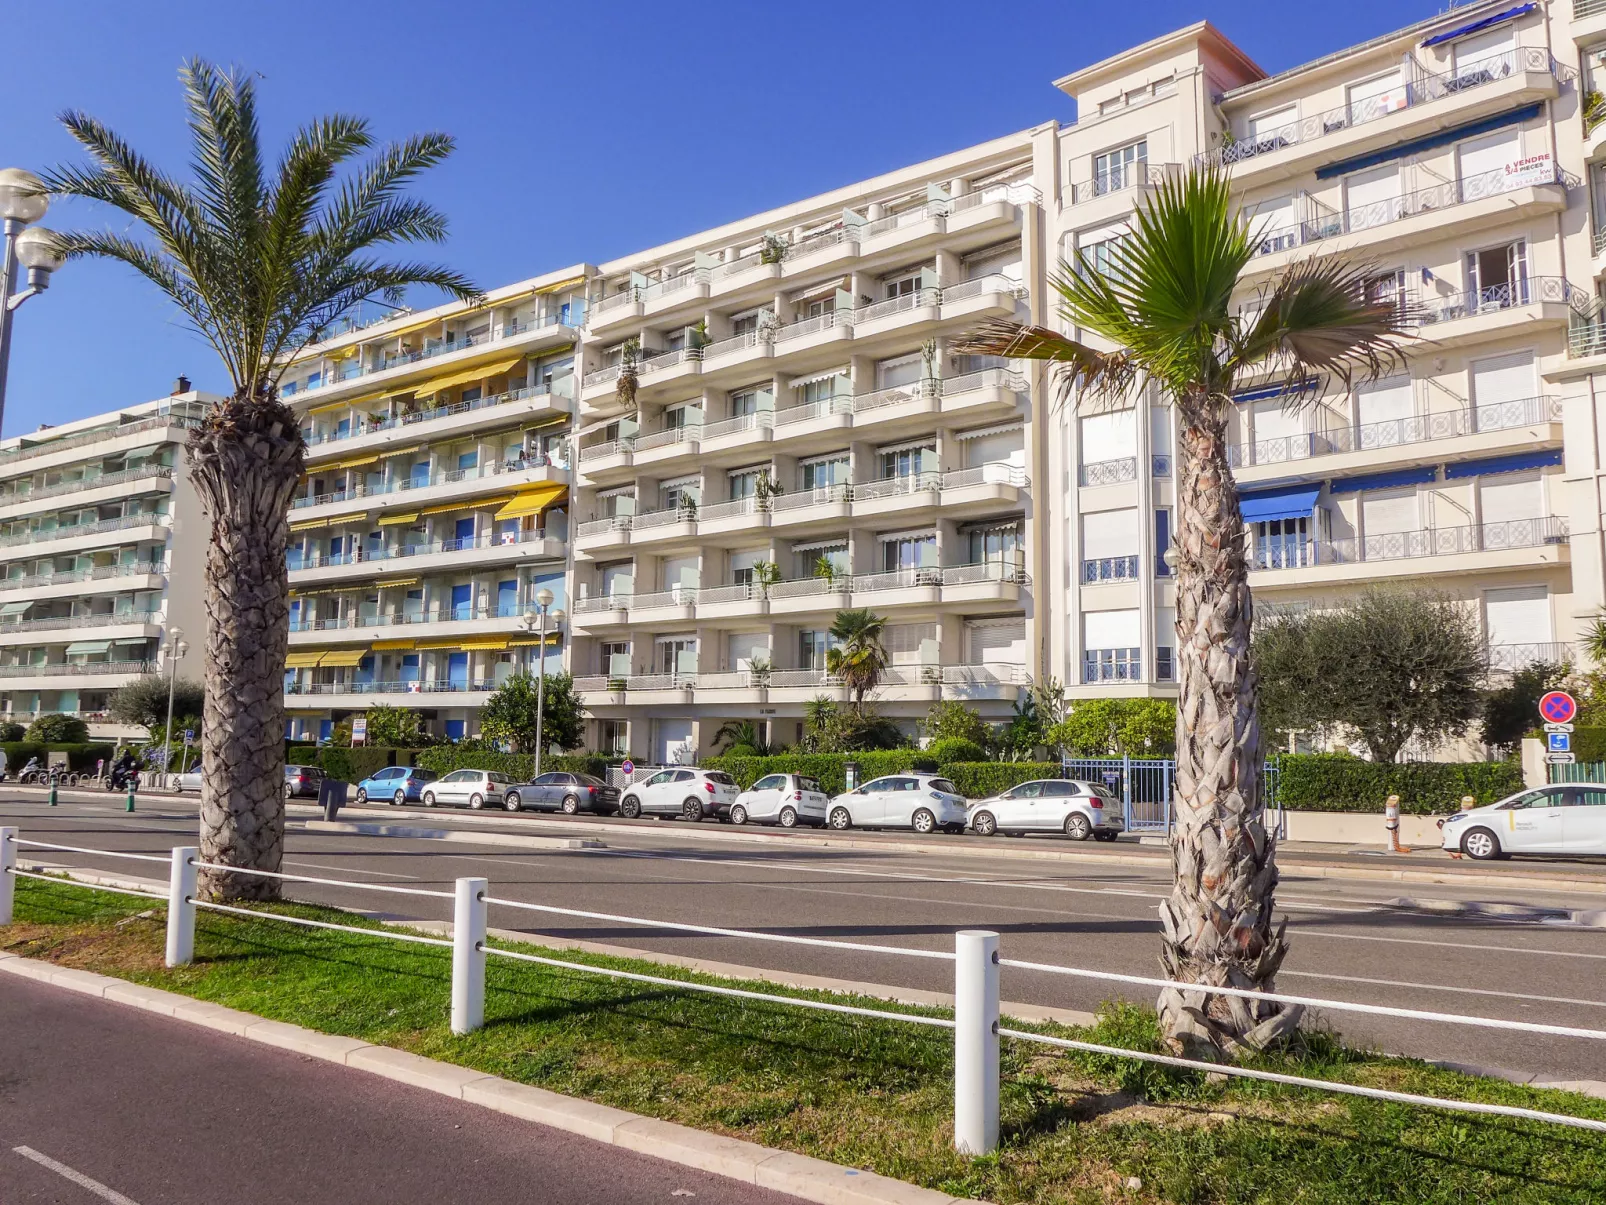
(1266, 392)
(1511, 14)
(1503, 464)
(1280, 502)
(1401, 150)
(1383, 481)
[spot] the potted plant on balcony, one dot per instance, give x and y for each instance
(688, 508)
(765, 575)
(773, 250)
(697, 338)
(759, 668)
(624, 389)
(930, 383)
(825, 568)
(768, 324)
(766, 488)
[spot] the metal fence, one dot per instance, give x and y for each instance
(1146, 786)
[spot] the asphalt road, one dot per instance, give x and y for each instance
(1349, 942)
(157, 1112)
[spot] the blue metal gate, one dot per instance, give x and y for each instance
(1143, 784)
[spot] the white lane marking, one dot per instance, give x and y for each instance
(78, 1178)
(1444, 987)
(383, 874)
(1446, 945)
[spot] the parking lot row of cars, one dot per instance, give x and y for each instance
(923, 802)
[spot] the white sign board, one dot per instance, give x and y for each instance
(359, 730)
(1531, 169)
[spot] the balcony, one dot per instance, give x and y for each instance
(900, 683)
(73, 580)
(446, 621)
(609, 532)
(1112, 665)
(1109, 472)
(740, 432)
(1513, 657)
(1110, 569)
(467, 692)
(481, 479)
(22, 499)
(91, 669)
(10, 630)
(183, 416)
(1488, 85)
(1134, 177)
(436, 420)
(490, 548)
(51, 535)
(1514, 535)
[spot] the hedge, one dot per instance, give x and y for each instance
(979, 779)
(79, 757)
(1336, 782)
(974, 779)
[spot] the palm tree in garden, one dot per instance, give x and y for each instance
(858, 658)
(261, 261)
(1162, 295)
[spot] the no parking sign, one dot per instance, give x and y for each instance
(1558, 707)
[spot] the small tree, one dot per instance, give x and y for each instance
(741, 737)
(859, 658)
(1512, 709)
(509, 714)
(952, 720)
(11, 732)
(143, 702)
(1393, 666)
(397, 727)
(1117, 728)
(58, 729)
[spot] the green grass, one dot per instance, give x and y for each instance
(868, 1093)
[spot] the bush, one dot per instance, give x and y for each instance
(81, 756)
(979, 779)
(1337, 782)
(1117, 727)
(829, 768)
(468, 755)
(356, 763)
(10, 733)
(952, 720)
(955, 748)
(1589, 744)
(58, 729)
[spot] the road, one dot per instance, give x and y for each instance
(158, 1112)
(1348, 943)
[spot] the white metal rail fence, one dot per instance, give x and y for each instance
(976, 1023)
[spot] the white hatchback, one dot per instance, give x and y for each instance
(1564, 818)
(922, 802)
(784, 799)
(687, 793)
(477, 788)
(1048, 805)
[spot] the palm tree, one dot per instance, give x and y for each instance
(858, 658)
(741, 733)
(261, 262)
(1163, 298)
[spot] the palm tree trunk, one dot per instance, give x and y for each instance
(245, 461)
(1217, 923)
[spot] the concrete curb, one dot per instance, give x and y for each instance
(802, 1177)
(443, 834)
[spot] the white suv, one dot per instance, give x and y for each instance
(1051, 805)
(687, 793)
(922, 802)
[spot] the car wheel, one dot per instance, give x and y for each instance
(362, 796)
(429, 799)
(399, 798)
(289, 791)
(570, 805)
(1077, 827)
(476, 801)
(1481, 844)
(841, 819)
(788, 817)
(630, 807)
(923, 821)
(512, 802)
(738, 814)
(985, 824)
(691, 809)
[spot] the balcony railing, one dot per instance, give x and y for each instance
(1495, 298)
(1141, 174)
(675, 284)
(592, 527)
(733, 344)
(1394, 209)
(822, 496)
(645, 520)
(183, 414)
(1520, 656)
(955, 676)
(829, 320)
(732, 508)
(62, 669)
(1110, 472)
(58, 622)
(837, 403)
(897, 305)
(607, 447)
(690, 433)
(757, 421)
(451, 477)
(1112, 665)
(13, 497)
(1587, 8)
(40, 535)
(680, 596)
(370, 427)
(360, 555)
(923, 390)
(1110, 569)
(908, 217)
(432, 686)
(1426, 88)
(1586, 339)
(1427, 542)
(393, 619)
(602, 602)
(71, 576)
(1397, 432)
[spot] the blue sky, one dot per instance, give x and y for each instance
(585, 130)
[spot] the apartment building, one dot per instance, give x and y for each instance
(435, 506)
(102, 553)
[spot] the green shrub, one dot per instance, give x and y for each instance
(1337, 782)
(18, 753)
(955, 748)
(829, 768)
(443, 759)
(1589, 744)
(979, 779)
(81, 756)
(11, 733)
(58, 729)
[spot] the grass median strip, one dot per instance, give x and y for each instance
(857, 1090)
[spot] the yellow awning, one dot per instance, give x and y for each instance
(411, 328)
(446, 508)
(309, 524)
(328, 406)
(561, 285)
(446, 642)
(342, 658)
(533, 501)
(394, 646)
(396, 581)
(395, 520)
(401, 451)
(483, 644)
(302, 660)
(355, 462)
(478, 373)
(523, 642)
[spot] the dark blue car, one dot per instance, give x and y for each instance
(394, 784)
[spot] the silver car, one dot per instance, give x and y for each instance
(1051, 805)
(477, 788)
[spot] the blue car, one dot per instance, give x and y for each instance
(395, 785)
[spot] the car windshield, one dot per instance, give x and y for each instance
(943, 785)
(810, 784)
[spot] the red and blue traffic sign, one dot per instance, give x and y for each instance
(1558, 707)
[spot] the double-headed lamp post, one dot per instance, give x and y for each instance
(536, 620)
(176, 648)
(22, 203)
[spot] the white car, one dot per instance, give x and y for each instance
(1051, 805)
(922, 802)
(784, 799)
(477, 788)
(685, 792)
(1564, 818)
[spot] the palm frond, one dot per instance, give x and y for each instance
(1078, 367)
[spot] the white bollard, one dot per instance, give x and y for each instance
(8, 880)
(468, 956)
(181, 907)
(975, 1042)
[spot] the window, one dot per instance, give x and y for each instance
(812, 646)
(1386, 288)
(1498, 276)
(743, 565)
(900, 286)
(908, 552)
(1487, 54)
(1273, 127)
(908, 461)
(1121, 168)
(1162, 541)
(828, 470)
(675, 655)
(1373, 98)
(746, 323)
(995, 545)
(1384, 411)
(821, 390)
(1502, 390)
(744, 402)
(1517, 622)
(810, 556)
(613, 658)
(613, 736)
(1112, 436)
(1110, 542)
(743, 484)
(1484, 159)
(899, 371)
(674, 494)
(1282, 544)
(1372, 198)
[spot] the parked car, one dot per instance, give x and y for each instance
(301, 780)
(477, 788)
(784, 799)
(923, 802)
(1565, 818)
(560, 791)
(190, 780)
(1047, 805)
(394, 785)
(687, 793)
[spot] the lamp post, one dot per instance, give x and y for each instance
(176, 648)
(22, 202)
(536, 619)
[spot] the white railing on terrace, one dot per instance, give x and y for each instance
(183, 415)
(895, 487)
(17, 497)
(1419, 91)
(909, 301)
(42, 535)
(757, 421)
(608, 447)
(740, 592)
(1491, 300)
(730, 509)
(402, 618)
(928, 389)
(809, 587)
(908, 217)
(360, 555)
(625, 296)
(993, 282)
(601, 602)
(985, 675)
(1119, 178)
(73, 669)
(1588, 8)
(1520, 656)
(829, 320)
(897, 579)
(997, 473)
(1426, 542)
(495, 468)
(733, 344)
(592, 527)
(837, 403)
(603, 375)
(822, 496)
(753, 259)
(987, 378)
(690, 433)
(403, 686)
(668, 359)
(1015, 194)
(675, 284)
(370, 427)
(70, 576)
(53, 623)
(680, 596)
(1109, 472)
(645, 519)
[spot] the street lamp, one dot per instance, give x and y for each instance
(22, 202)
(536, 620)
(176, 648)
